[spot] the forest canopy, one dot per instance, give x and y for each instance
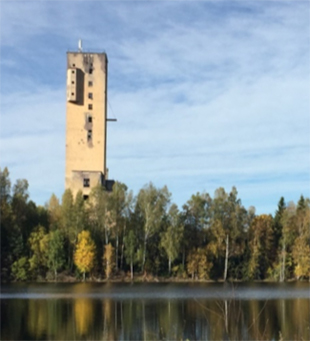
(117, 234)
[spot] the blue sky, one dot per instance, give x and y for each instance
(207, 94)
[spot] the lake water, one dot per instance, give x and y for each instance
(157, 311)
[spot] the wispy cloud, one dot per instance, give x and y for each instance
(207, 94)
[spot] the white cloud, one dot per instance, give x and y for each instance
(206, 94)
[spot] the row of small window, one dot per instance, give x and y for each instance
(90, 71)
(90, 96)
(91, 65)
(90, 83)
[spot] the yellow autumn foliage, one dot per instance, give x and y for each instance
(84, 255)
(108, 259)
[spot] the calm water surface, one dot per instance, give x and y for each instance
(194, 311)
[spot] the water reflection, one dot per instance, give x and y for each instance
(107, 318)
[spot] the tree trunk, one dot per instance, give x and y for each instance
(226, 317)
(122, 256)
(131, 269)
(84, 276)
(144, 255)
(107, 269)
(169, 264)
(282, 272)
(226, 257)
(116, 253)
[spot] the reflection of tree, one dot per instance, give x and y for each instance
(109, 320)
(83, 311)
(170, 320)
(12, 320)
(37, 318)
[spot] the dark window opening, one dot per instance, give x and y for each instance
(90, 95)
(90, 106)
(90, 83)
(89, 119)
(90, 71)
(72, 82)
(73, 65)
(89, 135)
(86, 182)
(85, 197)
(72, 93)
(73, 71)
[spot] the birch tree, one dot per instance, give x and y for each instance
(151, 207)
(227, 209)
(84, 256)
(171, 238)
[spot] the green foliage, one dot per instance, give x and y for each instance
(212, 238)
(56, 252)
(260, 243)
(151, 208)
(54, 213)
(38, 242)
(20, 269)
(197, 264)
(131, 253)
(301, 256)
(171, 238)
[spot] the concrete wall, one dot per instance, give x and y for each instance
(86, 124)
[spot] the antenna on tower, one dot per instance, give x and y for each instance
(80, 45)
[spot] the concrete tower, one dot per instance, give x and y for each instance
(86, 126)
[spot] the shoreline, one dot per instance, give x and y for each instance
(146, 279)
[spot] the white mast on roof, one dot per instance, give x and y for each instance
(80, 45)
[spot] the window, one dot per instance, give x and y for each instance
(72, 93)
(90, 107)
(73, 65)
(86, 182)
(73, 71)
(90, 83)
(90, 95)
(72, 82)
(90, 71)
(89, 135)
(85, 197)
(89, 119)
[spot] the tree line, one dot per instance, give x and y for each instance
(118, 234)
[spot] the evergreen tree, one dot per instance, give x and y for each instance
(67, 224)
(261, 243)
